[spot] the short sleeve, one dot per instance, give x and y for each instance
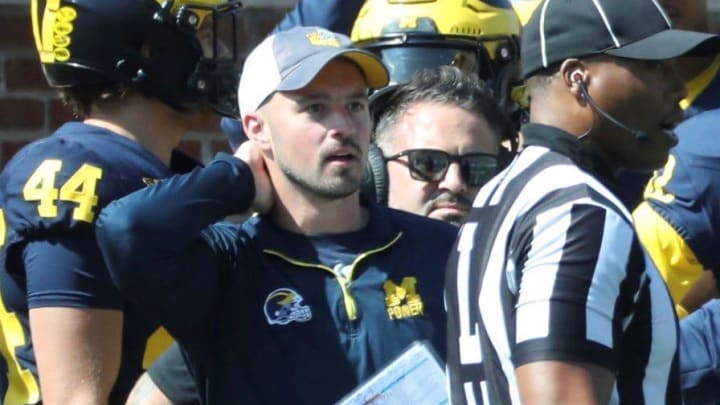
(68, 271)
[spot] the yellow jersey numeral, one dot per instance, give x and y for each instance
(80, 188)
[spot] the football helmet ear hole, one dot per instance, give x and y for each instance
(507, 51)
(186, 18)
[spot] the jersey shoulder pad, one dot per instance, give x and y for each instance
(62, 183)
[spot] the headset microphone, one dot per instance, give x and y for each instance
(640, 135)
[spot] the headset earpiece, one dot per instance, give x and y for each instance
(577, 77)
(375, 181)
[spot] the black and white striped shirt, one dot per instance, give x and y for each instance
(548, 267)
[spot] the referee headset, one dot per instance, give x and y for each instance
(579, 79)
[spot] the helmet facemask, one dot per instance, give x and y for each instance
(404, 54)
(207, 63)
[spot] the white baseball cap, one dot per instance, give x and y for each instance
(290, 60)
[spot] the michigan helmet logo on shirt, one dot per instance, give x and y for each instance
(285, 305)
(403, 301)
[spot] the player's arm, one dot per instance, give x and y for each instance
(76, 320)
(565, 313)
(78, 353)
(158, 250)
(559, 382)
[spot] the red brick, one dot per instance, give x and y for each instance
(25, 74)
(8, 149)
(192, 148)
(59, 114)
(19, 113)
(16, 29)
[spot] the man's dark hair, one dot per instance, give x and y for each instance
(442, 85)
(81, 98)
(541, 80)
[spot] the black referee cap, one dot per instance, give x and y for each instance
(634, 29)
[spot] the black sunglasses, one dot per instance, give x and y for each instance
(432, 164)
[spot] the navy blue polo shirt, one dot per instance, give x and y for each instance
(269, 316)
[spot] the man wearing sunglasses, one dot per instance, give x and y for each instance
(306, 300)
(439, 135)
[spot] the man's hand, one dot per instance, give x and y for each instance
(249, 153)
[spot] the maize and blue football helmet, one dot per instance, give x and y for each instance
(477, 36)
(171, 50)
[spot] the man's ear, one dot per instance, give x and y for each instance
(575, 76)
(256, 129)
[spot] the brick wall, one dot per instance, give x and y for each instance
(29, 109)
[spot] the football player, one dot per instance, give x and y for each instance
(139, 74)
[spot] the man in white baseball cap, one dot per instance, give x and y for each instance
(308, 299)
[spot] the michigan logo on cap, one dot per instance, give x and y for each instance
(323, 38)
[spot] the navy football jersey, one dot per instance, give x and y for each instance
(50, 195)
(679, 222)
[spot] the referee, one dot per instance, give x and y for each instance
(550, 297)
